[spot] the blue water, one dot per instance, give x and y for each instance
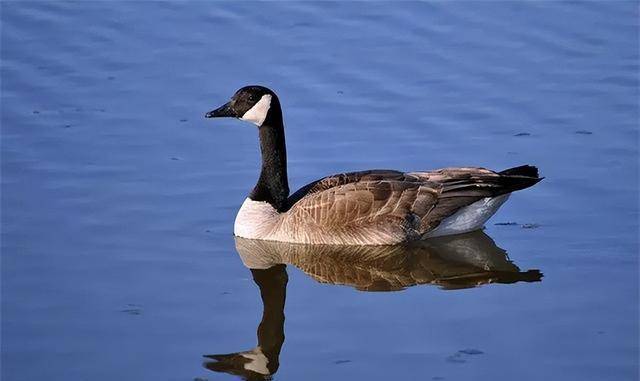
(118, 197)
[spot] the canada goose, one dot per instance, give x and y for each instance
(375, 207)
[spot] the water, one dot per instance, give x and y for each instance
(118, 198)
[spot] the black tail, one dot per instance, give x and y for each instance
(523, 170)
(521, 177)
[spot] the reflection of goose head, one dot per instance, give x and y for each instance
(460, 261)
(262, 361)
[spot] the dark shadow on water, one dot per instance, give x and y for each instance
(455, 262)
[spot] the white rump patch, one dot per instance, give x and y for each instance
(258, 113)
(471, 217)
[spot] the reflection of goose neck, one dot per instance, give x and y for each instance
(273, 288)
(262, 361)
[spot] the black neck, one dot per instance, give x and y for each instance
(273, 185)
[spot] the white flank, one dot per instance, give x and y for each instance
(258, 113)
(255, 219)
(469, 218)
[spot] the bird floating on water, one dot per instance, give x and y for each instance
(374, 207)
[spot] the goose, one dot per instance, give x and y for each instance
(372, 207)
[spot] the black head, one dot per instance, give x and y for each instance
(250, 103)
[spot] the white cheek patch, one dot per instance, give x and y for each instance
(258, 113)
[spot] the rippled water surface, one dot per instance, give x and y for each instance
(118, 197)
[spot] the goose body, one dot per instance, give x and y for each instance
(374, 207)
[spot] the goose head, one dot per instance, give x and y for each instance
(260, 106)
(254, 104)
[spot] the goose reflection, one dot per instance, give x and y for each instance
(452, 262)
(262, 361)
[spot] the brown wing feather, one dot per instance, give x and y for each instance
(368, 207)
(387, 206)
(342, 179)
